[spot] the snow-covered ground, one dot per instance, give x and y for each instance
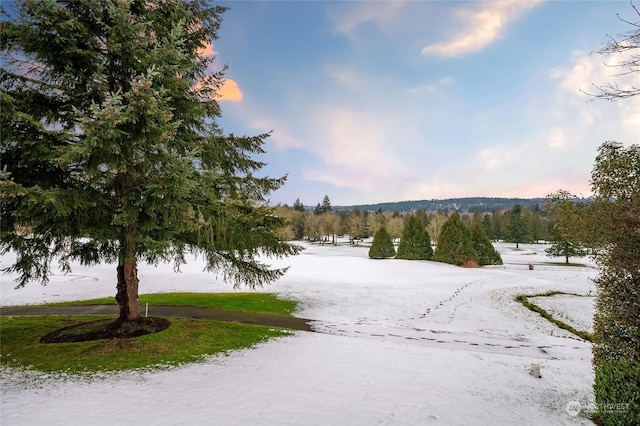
(576, 311)
(399, 343)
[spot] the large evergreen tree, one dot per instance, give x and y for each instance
(375, 221)
(487, 254)
(487, 226)
(382, 246)
(324, 207)
(498, 224)
(298, 219)
(326, 204)
(298, 206)
(454, 243)
(111, 150)
(415, 243)
(518, 230)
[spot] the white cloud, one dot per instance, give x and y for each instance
(582, 75)
(588, 72)
(557, 150)
(283, 140)
(631, 113)
(354, 146)
(351, 80)
(280, 137)
(494, 157)
(556, 138)
(381, 13)
(433, 87)
(481, 27)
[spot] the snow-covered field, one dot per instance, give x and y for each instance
(399, 343)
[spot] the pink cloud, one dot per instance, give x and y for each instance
(577, 184)
(230, 91)
(480, 28)
(207, 50)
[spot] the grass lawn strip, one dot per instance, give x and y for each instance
(262, 303)
(185, 341)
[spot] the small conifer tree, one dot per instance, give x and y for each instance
(415, 243)
(454, 243)
(487, 254)
(565, 249)
(518, 230)
(382, 246)
(567, 214)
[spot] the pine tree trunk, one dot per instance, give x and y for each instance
(127, 295)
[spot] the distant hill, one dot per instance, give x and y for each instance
(486, 204)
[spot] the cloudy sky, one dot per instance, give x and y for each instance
(374, 101)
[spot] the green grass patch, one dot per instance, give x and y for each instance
(524, 299)
(262, 303)
(185, 341)
(579, 265)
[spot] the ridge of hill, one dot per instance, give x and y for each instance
(468, 204)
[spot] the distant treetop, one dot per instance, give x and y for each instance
(470, 204)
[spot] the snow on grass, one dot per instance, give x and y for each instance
(576, 311)
(399, 343)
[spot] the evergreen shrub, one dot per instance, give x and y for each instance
(415, 243)
(454, 243)
(382, 246)
(487, 254)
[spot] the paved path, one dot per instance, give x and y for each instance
(196, 312)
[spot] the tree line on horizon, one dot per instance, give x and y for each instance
(447, 205)
(519, 225)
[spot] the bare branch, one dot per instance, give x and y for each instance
(625, 44)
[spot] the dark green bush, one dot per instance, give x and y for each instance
(617, 391)
(382, 246)
(415, 243)
(454, 243)
(487, 254)
(613, 222)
